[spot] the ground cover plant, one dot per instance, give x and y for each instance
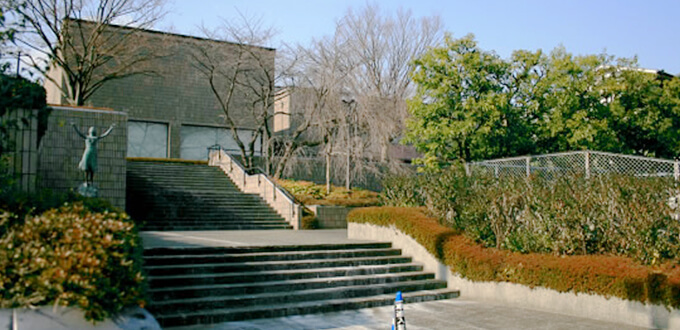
(570, 215)
(310, 193)
(603, 274)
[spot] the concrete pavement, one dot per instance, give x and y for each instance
(443, 314)
(153, 239)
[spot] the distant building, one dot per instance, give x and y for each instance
(172, 112)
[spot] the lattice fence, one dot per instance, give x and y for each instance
(587, 163)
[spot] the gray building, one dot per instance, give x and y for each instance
(172, 110)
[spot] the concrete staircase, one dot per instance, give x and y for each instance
(191, 286)
(168, 196)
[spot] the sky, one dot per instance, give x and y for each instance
(648, 29)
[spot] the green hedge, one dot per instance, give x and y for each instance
(570, 215)
(71, 257)
(604, 275)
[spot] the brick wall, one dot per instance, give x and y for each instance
(61, 149)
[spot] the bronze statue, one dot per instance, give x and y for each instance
(88, 163)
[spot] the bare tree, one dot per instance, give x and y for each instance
(76, 40)
(242, 78)
(315, 97)
(383, 47)
(354, 84)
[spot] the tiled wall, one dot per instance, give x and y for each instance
(22, 154)
(331, 217)
(61, 149)
(179, 93)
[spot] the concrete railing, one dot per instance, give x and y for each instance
(278, 198)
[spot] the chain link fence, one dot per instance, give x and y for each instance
(586, 163)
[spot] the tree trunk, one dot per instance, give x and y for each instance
(328, 172)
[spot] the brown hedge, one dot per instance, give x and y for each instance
(609, 276)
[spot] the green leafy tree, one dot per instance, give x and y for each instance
(460, 102)
(572, 98)
(471, 104)
(646, 113)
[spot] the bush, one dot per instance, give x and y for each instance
(604, 275)
(72, 257)
(309, 221)
(571, 215)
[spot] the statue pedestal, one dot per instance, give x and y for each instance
(87, 190)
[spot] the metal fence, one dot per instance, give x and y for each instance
(586, 163)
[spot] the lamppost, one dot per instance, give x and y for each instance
(351, 117)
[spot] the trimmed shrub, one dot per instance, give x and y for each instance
(72, 257)
(604, 275)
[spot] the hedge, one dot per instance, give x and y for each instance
(72, 257)
(605, 275)
(569, 215)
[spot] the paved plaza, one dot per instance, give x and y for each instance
(443, 314)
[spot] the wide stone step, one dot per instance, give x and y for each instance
(184, 181)
(293, 286)
(227, 200)
(168, 319)
(281, 275)
(180, 250)
(267, 256)
(234, 301)
(220, 209)
(215, 228)
(217, 221)
(212, 221)
(187, 219)
(274, 265)
(222, 224)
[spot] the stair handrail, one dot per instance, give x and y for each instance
(217, 156)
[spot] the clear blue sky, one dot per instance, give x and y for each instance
(624, 28)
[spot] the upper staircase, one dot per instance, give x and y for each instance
(168, 196)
